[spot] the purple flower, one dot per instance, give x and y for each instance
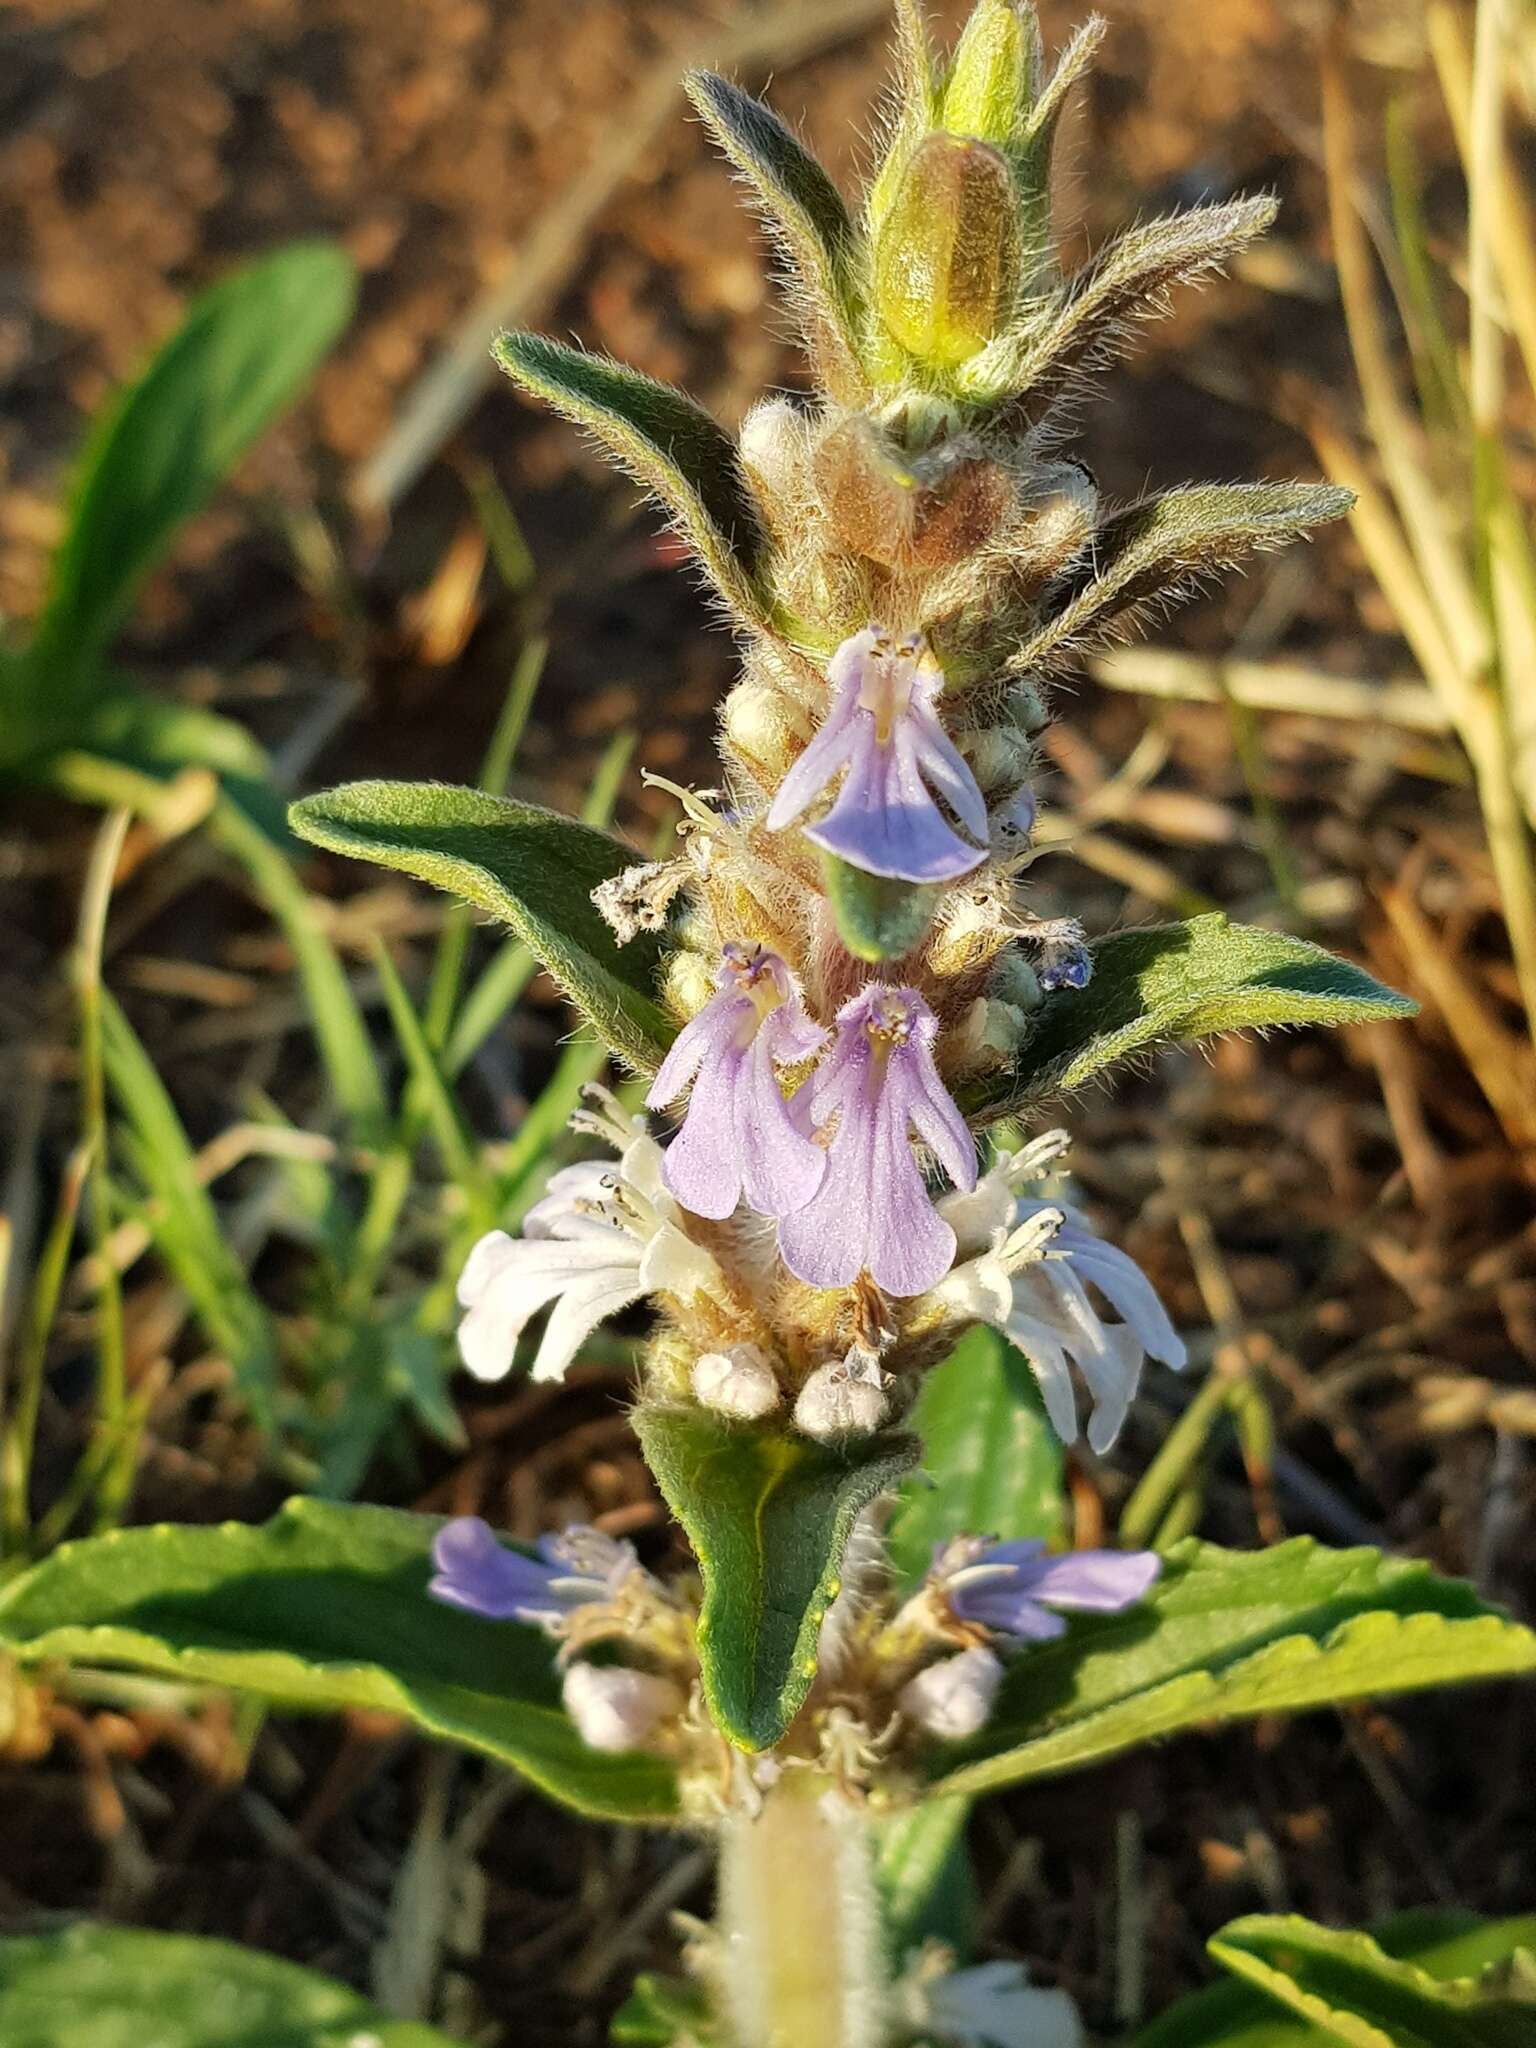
(576, 1569)
(883, 730)
(738, 1133)
(1010, 1589)
(872, 1212)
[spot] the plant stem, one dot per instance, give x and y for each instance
(801, 1948)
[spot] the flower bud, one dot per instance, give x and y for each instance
(616, 1709)
(740, 1382)
(1015, 982)
(837, 1401)
(687, 983)
(1026, 708)
(947, 251)
(772, 446)
(999, 756)
(995, 74)
(924, 512)
(953, 1698)
(1060, 524)
(760, 725)
(987, 1037)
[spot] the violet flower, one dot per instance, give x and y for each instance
(578, 1568)
(872, 1212)
(883, 729)
(737, 1134)
(1014, 1590)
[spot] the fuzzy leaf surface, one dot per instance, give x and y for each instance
(530, 867)
(800, 201)
(992, 1465)
(323, 1608)
(1354, 1993)
(662, 439)
(1165, 548)
(927, 1885)
(768, 1514)
(244, 352)
(125, 1987)
(1445, 1944)
(1227, 1635)
(1184, 981)
(878, 917)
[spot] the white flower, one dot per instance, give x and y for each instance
(994, 2005)
(739, 1382)
(616, 1709)
(1026, 1267)
(953, 1698)
(600, 1239)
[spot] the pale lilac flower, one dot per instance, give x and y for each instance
(616, 1709)
(600, 1239)
(578, 1568)
(737, 1134)
(872, 1212)
(1026, 1267)
(994, 2005)
(1019, 1591)
(883, 729)
(953, 1698)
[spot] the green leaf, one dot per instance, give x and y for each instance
(325, 1607)
(1168, 547)
(665, 441)
(1348, 1988)
(926, 1882)
(768, 1514)
(182, 1220)
(1445, 1944)
(878, 917)
(125, 1987)
(1227, 1635)
(659, 2010)
(1178, 982)
(992, 1465)
(245, 351)
(530, 867)
(801, 204)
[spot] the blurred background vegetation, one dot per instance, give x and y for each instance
(313, 543)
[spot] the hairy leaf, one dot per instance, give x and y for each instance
(1445, 1944)
(1084, 327)
(804, 207)
(1163, 549)
(1226, 1635)
(244, 352)
(992, 1465)
(664, 440)
(768, 1513)
(530, 867)
(926, 1881)
(877, 916)
(1173, 982)
(325, 1607)
(125, 1987)
(1348, 1988)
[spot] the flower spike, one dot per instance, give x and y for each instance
(883, 729)
(738, 1135)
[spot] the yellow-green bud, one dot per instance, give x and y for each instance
(688, 982)
(761, 724)
(995, 74)
(999, 756)
(947, 252)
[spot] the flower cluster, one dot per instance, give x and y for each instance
(896, 1674)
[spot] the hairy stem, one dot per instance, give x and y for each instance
(801, 1946)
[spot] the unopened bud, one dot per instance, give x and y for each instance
(740, 1382)
(953, 1699)
(1015, 981)
(772, 445)
(616, 1709)
(1026, 708)
(1057, 528)
(760, 724)
(687, 982)
(987, 1038)
(995, 74)
(922, 512)
(947, 253)
(999, 756)
(839, 1400)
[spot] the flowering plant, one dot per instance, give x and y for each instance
(841, 1008)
